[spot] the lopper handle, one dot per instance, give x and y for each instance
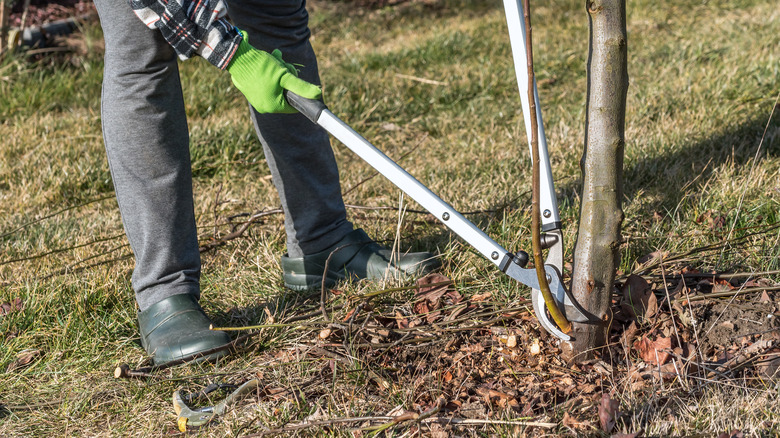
(311, 108)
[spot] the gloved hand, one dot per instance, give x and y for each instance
(263, 77)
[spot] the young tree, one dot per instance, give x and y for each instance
(596, 252)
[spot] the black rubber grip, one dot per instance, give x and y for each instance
(311, 108)
(553, 226)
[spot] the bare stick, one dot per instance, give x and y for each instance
(25, 11)
(124, 371)
(536, 233)
(240, 231)
(59, 250)
(318, 423)
(730, 293)
(470, 421)
(49, 216)
(421, 80)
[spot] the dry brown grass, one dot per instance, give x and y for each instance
(704, 79)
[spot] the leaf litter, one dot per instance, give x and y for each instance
(472, 360)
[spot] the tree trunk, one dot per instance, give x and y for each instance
(596, 253)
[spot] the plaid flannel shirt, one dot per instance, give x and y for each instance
(192, 27)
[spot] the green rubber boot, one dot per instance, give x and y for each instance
(177, 327)
(355, 257)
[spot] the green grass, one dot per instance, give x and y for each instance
(704, 79)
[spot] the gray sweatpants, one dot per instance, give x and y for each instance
(147, 143)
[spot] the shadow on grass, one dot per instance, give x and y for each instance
(670, 177)
(693, 164)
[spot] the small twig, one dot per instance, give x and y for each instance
(313, 314)
(354, 315)
(740, 361)
(5, 13)
(323, 288)
(350, 361)
(430, 220)
(49, 216)
(25, 12)
(375, 294)
(69, 269)
(410, 416)
(216, 213)
(726, 294)
(708, 248)
(59, 250)
(143, 372)
(421, 80)
(386, 344)
(365, 207)
(440, 420)
(536, 216)
(240, 231)
(470, 421)
(34, 406)
(49, 50)
(256, 327)
(317, 423)
(125, 372)
(715, 275)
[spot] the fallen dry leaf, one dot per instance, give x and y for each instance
(714, 219)
(574, 423)
(425, 290)
(653, 352)
(608, 412)
(770, 366)
(401, 320)
(722, 286)
(481, 297)
(639, 301)
(428, 299)
(24, 359)
(627, 338)
(648, 259)
(13, 306)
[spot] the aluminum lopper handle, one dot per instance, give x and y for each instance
(509, 263)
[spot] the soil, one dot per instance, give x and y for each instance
(724, 324)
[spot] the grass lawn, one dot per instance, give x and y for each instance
(432, 84)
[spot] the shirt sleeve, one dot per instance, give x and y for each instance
(192, 27)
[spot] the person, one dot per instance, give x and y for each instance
(147, 145)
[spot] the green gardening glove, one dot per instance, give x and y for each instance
(263, 77)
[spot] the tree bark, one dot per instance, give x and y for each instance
(596, 253)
